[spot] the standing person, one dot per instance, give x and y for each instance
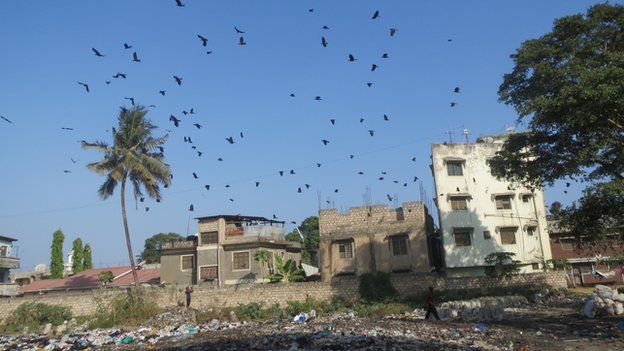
(188, 292)
(430, 301)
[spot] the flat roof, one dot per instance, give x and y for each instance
(8, 238)
(240, 218)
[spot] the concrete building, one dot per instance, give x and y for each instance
(480, 215)
(8, 260)
(375, 238)
(588, 264)
(223, 252)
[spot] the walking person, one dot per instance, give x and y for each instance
(430, 302)
(188, 291)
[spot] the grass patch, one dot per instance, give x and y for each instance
(129, 309)
(34, 315)
(377, 287)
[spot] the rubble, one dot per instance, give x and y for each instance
(603, 301)
(480, 309)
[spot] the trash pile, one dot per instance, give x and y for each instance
(557, 297)
(480, 309)
(603, 301)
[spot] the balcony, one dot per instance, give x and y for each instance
(9, 262)
(182, 244)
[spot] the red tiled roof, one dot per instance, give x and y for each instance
(89, 279)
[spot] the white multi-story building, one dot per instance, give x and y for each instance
(480, 214)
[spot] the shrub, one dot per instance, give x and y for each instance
(376, 287)
(128, 309)
(334, 305)
(106, 277)
(501, 264)
(296, 307)
(35, 314)
(249, 311)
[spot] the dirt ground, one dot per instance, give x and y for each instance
(543, 329)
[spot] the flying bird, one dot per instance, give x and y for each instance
(456, 90)
(352, 58)
(351, 156)
(325, 142)
(375, 15)
(131, 100)
(120, 75)
(97, 53)
(231, 200)
(241, 41)
(384, 55)
(453, 104)
(197, 125)
(310, 10)
(361, 120)
(66, 171)
(242, 135)
(227, 185)
(178, 80)
(336, 190)
(292, 95)
(195, 175)
(369, 84)
(147, 209)
(162, 92)
(127, 46)
(361, 173)
(325, 27)
(567, 185)
(84, 85)
(192, 111)
(230, 140)
(199, 153)
(307, 186)
(208, 52)
(135, 57)
(299, 190)
(207, 186)
(371, 132)
(389, 197)
(393, 31)
(67, 128)
(203, 39)
(318, 165)
(374, 67)
(107, 82)
(274, 217)
(175, 121)
(179, 3)
(414, 159)
(386, 118)
(323, 42)
(318, 98)
(281, 173)
(332, 121)
(257, 184)
(6, 119)
(191, 208)
(238, 30)
(220, 159)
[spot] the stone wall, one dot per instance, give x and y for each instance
(85, 302)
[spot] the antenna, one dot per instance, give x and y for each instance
(396, 200)
(450, 135)
(466, 132)
(318, 199)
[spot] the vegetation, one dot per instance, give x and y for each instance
(555, 210)
(77, 264)
(35, 314)
(559, 263)
(266, 258)
(153, 244)
(106, 277)
(286, 271)
(501, 264)
(310, 243)
(567, 89)
(87, 259)
(129, 309)
(376, 287)
(133, 157)
(56, 256)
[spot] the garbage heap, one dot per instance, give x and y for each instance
(480, 309)
(604, 301)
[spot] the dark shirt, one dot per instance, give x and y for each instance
(430, 300)
(188, 293)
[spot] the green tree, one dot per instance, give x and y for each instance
(287, 271)
(555, 209)
(501, 264)
(56, 256)
(77, 264)
(87, 259)
(568, 89)
(310, 244)
(265, 257)
(133, 157)
(106, 277)
(153, 244)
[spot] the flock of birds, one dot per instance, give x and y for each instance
(176, 121)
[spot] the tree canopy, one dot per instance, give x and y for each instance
(87, 259)
(151, 249)
(77, 264)
(310, 244)
(56, 256)
(568, 89)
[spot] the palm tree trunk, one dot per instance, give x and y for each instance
(125, 223)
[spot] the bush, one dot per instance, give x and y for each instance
(501, 264)
(106, 277)
(249, 311)
(128, 309)
(33, 315)
(296, 307)
(376, 287)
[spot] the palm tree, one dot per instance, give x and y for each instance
(133, 158)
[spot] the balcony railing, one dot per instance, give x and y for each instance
(9, 262)
(183, 244)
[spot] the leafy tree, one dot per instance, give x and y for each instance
(555, 209)
(106, 277)
(77, 264)
(265, 257)
(501, 264)
(153, 244)
(87, 259)
(56, 256)
(287, 271)
(133, 157)
(310, 244)
(568, 89)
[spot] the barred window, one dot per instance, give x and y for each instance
(503, 202)
(508, 236)
(208, 273)
(462, 237)
(454, 168)
(209, 238)
(459, 203)
(399, 245)
(240, 260)
(346, 250)
(187, 262)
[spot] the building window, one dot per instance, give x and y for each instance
(567, 244)
(526, 198)
(187, 262)
(208, 273)
(535, 266)
(240, 260)
(399, 245)
(503, 202)
(530, 231)
(209, 238)
(487, 235)
(345, 250)
(462, 237)
(454, 168)
(508, 236)
(459, 203)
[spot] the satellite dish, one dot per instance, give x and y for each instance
(40, 268)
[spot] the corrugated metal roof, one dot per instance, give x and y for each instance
(8, 238)
(240, 218)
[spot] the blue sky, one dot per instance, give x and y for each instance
(46, 49)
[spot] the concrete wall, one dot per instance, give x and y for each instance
(408, 284)
(171, 267)
(482, 215)
(370, 228)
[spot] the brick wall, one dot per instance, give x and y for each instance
(84, 302)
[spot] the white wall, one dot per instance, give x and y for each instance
(482, 215)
